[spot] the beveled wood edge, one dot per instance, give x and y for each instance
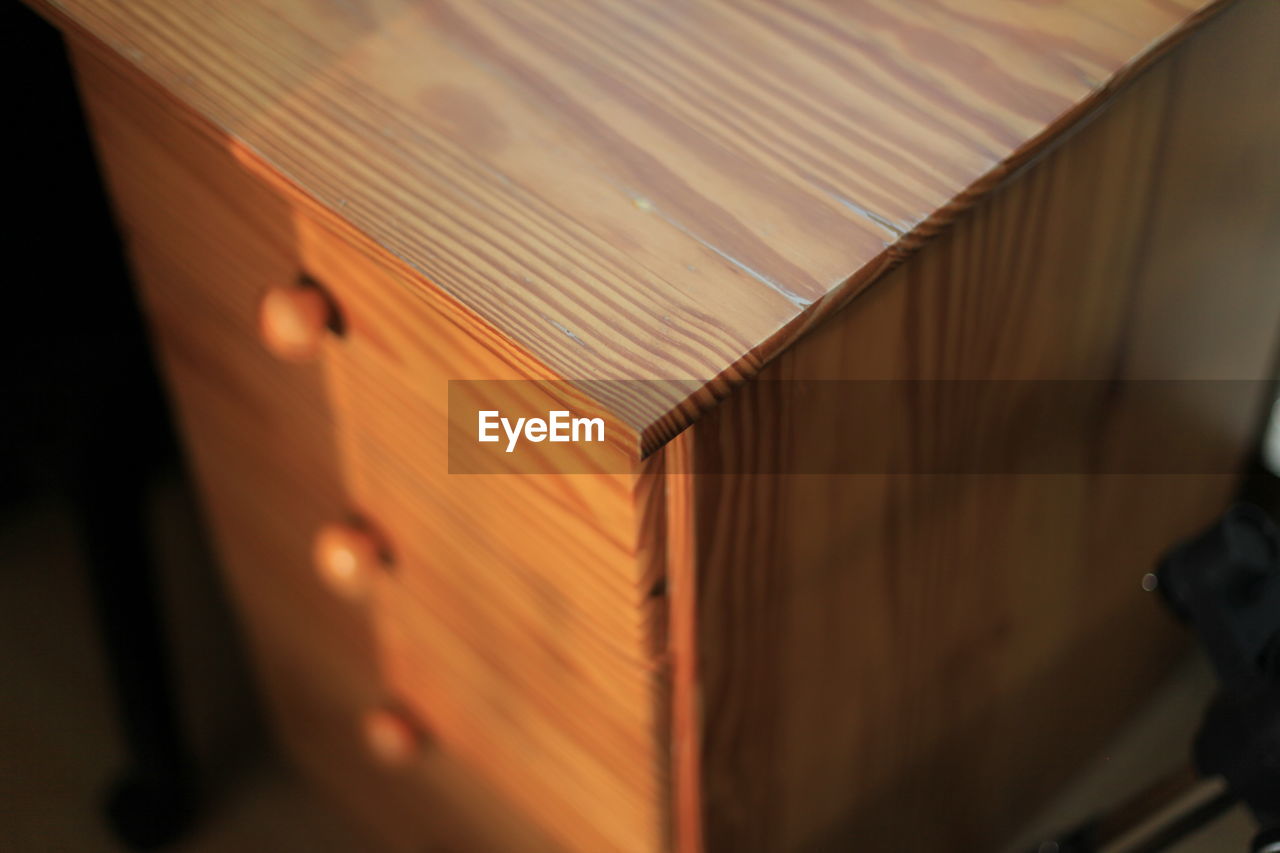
(683, 688)
(708, 392)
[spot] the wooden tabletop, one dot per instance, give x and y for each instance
(637, 189)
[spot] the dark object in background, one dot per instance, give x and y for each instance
(1225, 584)
(85, 415)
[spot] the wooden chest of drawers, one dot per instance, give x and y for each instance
(724, 637)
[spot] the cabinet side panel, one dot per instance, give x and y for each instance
(914, 661)
(512, 623)
(206, 239)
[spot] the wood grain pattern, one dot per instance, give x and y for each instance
(686, 720)
(646, 658)
(512, 621)
(640, 190)
(912, 662)
(264, 447)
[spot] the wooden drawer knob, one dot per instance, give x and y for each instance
(347, 558)
(393, 739)
(294, 321)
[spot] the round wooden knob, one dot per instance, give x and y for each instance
(393, 739)
(346, 558)
(294, 322)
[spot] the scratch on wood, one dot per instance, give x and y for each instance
(648, 206)
(571, 335)
(884, 222)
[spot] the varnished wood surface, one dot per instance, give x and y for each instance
(207, 240)
(511, 621)
(652, 659)
(641, 190)
(505, 613)
(912, 662)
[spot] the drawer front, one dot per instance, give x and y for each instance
(207, 239)
(512, 619)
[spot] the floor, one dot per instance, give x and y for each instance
(1156, 742)
(58, 746)
(57, 743)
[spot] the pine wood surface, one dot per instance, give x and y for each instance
(641, 190)
(512, 619)
(643, 658)
(265, 448)
(911, 662)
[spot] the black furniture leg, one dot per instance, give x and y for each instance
(152, 803)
